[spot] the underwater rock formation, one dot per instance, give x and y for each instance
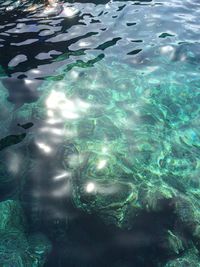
(188, 259)
(17, 248)
(140, 153)
(129, 147)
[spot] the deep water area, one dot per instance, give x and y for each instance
(100, 134)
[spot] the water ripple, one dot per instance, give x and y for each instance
(112, 88)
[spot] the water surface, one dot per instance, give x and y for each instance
(99, 132)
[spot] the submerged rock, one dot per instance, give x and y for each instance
(17, 248)
(140, 155)
(131, 148)
(11, 216)
(189, 259)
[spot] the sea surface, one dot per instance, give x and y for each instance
(100, 134)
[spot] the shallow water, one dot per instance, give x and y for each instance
(99, 135)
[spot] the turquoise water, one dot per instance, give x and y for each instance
(99, 134)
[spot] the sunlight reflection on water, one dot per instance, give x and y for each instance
(99, 115)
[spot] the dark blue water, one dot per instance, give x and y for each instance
(99, 134)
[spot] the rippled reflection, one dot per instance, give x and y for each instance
(99, 136)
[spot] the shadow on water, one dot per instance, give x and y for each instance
(90, 243)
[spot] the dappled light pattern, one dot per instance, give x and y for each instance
(141, 135)
(100, 134)
(127, 143)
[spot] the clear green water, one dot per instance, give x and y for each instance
(99, 135)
